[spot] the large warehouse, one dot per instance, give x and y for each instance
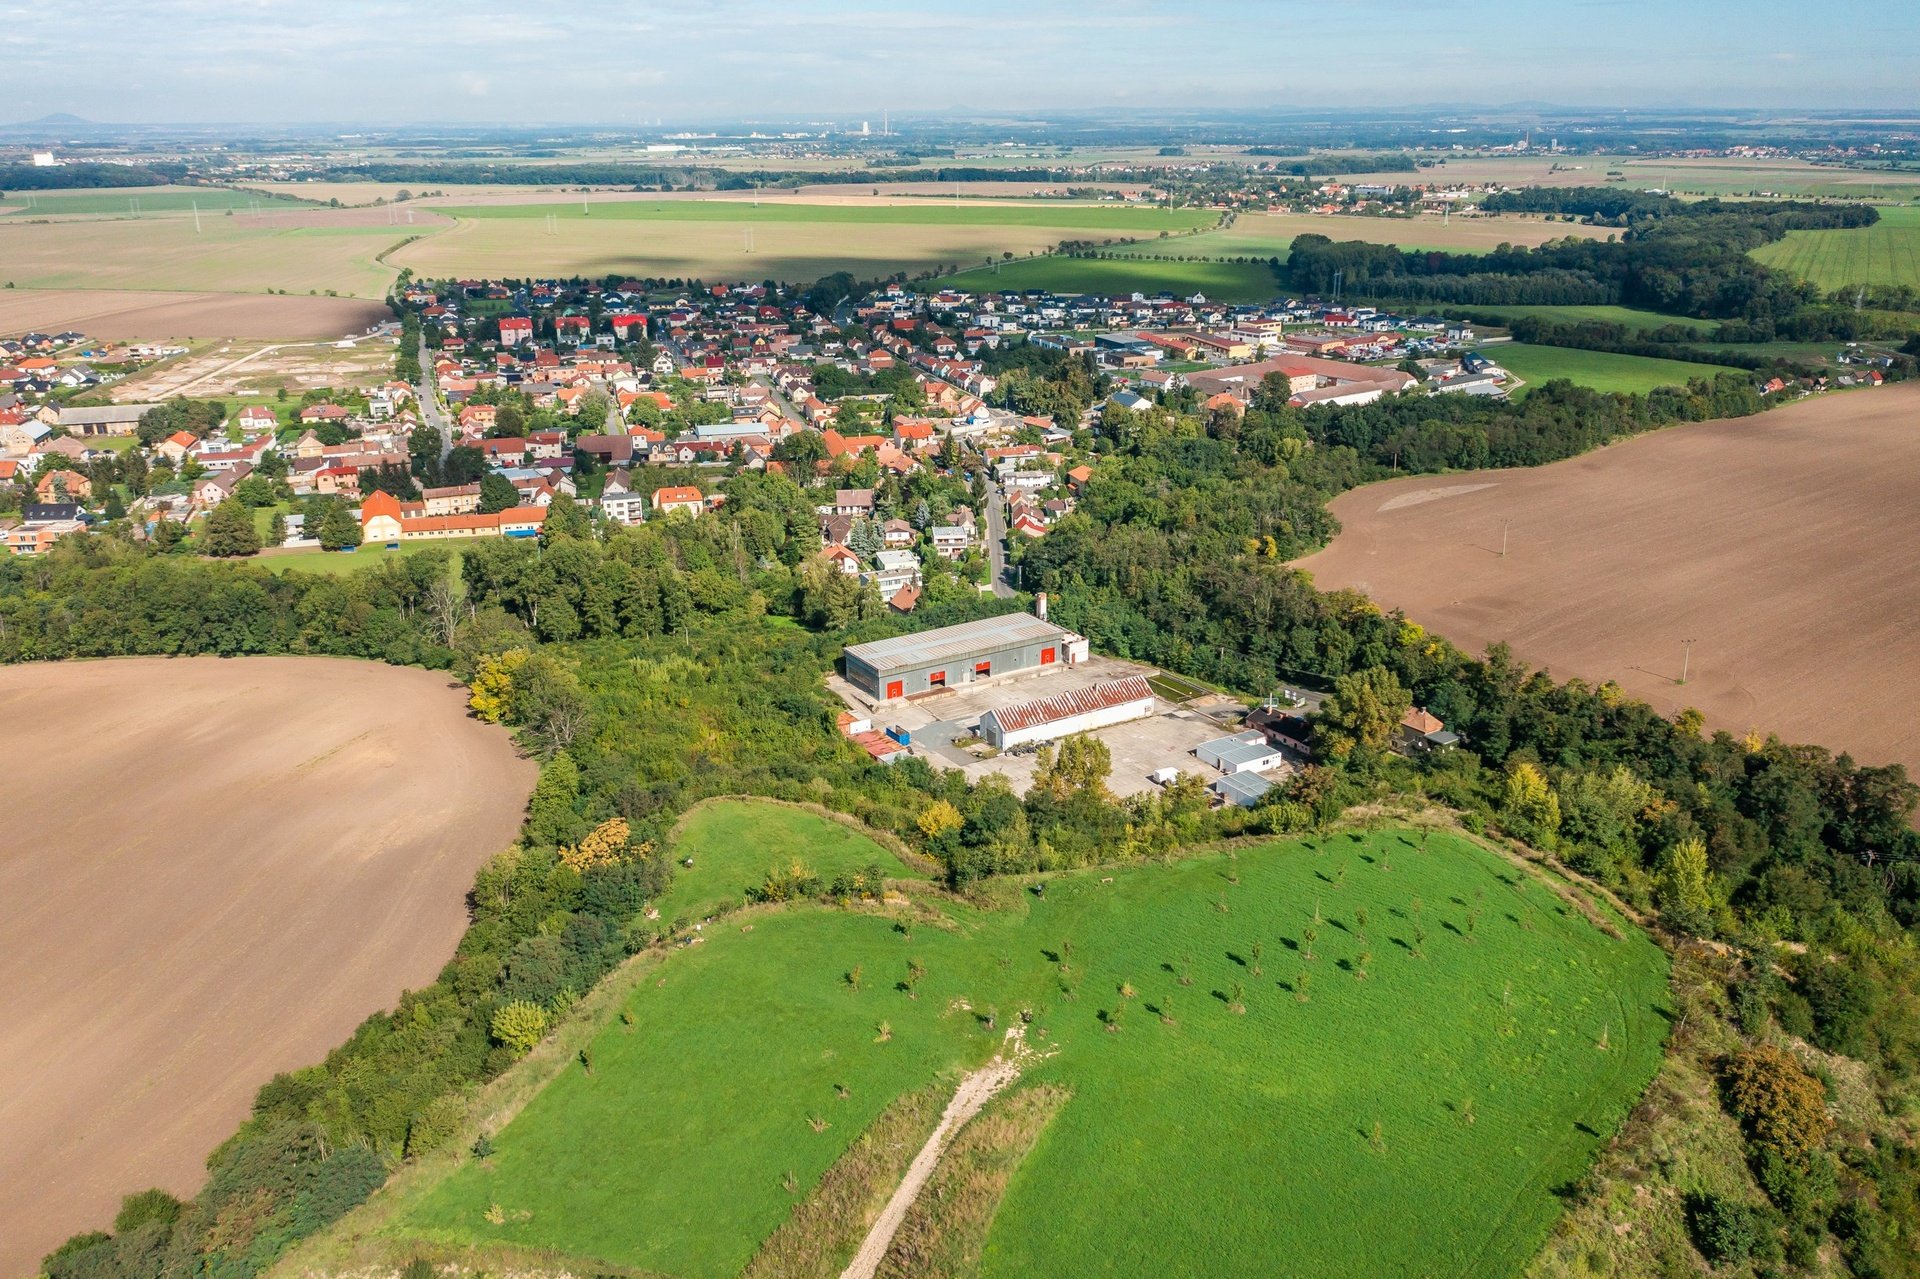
(890, 669)
(1078, 711)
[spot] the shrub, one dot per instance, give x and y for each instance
(1782, 1108)
(1723, 1229)
(520, 1025)
(434, 1126)
(147, 1206)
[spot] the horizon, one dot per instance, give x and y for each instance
(400, 65)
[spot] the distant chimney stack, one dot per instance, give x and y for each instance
(1040, 606)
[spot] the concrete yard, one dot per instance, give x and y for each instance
(1140, 747)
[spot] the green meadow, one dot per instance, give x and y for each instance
(1350, 1055)
(1887, 253)
(132, 201)
(1601, 370)
(736, 844)
(1222, 281)
(1631, 317)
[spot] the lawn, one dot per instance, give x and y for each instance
(734, 844)
(349, 561)
(1886, 253)
(1223, 281)
(1417, 1120)
(1598, 369)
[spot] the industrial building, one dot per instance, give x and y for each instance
(1240, 790)
(1248, 752)
(1064, 714)
(890, 669)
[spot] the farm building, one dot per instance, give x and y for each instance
(889, 669)
(1248, 752)
(1064, 714)
(1240, 790)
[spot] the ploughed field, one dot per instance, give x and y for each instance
(1786, 546)
(212, 871)
(1359, 1054)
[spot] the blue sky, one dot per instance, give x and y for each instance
(593, 61)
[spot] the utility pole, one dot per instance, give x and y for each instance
(1504, 525)
(196, 217)
(1686, 660)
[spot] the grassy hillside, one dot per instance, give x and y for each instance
(1341, 1056)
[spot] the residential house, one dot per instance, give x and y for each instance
(685, 499)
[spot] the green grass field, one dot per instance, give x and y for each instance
(1630, 316)
(1885, 253)
(1223, 281)
(1418, 1120)
(1121, 219)
(349, 561)
(735, 843)
(146, 200)
(1598, 369)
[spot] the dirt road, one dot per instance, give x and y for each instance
(212, 871)
(1786, 547)
(974, 1092)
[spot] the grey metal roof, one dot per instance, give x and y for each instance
(1246, 785)
(70, 416)
(1242, 748)
(949, 642)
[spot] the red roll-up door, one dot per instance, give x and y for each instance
(895, 688)
(1046, 657)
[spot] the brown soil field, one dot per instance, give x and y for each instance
(129, 315)
(225, 865)
(238, 254)
(1787, 546)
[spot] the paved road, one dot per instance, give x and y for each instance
(997, 542)
(430, 414)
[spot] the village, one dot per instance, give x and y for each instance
(635, 403)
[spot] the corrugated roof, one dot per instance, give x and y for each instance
(1245, 785)
(1242, 748)
(950, 642)
(1094, 697)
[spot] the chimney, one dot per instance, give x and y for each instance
(1040, 606)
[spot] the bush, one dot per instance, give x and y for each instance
(148, 1206)
(1782, 1108)
(520, 1025)
(434, 1126)
(1723, 1229)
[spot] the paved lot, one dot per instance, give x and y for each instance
(1140, 748)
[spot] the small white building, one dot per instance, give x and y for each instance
(1064, 714)
(1248, 752)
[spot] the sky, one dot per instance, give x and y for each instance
(596, 61)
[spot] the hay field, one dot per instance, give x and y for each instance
(123, 315)
(1886, 253)
(233, 862)
(1783, 544)
(238, 254)
(736, 239)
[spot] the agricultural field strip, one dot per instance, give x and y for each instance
(1086, 217)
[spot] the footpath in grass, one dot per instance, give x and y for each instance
(736, 843)
(1349, 1055)
(1601, 370)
